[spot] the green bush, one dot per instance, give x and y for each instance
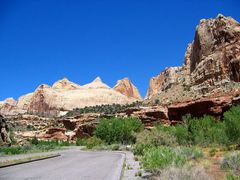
(93, 142)
(181, 133)
(232, 124)
(205, 131)
(118, 130)
(159, 158)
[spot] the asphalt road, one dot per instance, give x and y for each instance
(72, 164)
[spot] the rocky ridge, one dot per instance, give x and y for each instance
(65, 95)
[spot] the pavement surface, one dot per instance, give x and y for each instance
(72, 164)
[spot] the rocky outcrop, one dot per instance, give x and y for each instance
(81, 126)
(8, 107)
(126, 87)
(54, 134)
(4, 132)
(205, 106)
(148, 115)
(65, 95)
(212, 61)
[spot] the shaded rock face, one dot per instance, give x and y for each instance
(211, 61)
(214, 107)
(81, 126)
(149, 116)
(40, 101)
(4, 132)
(126, 87)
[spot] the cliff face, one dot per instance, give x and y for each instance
(215, 54)
(65, 95)
(212, 63)
(126, 87)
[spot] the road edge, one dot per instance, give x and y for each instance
(29, 161)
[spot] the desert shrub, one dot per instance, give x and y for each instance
(93, 142)
(81, 142)
(184, 173)
(139, 148)
(118, 130)
(232, 162)
(189, 153)
(161, 157)
(154, 138)
(179, 131)
(232, 124)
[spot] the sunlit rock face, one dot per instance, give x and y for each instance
(65, 95)
(211, 64)
(127, 88)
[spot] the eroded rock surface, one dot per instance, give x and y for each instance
(126, 87)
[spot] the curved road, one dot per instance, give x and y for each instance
(72, 164)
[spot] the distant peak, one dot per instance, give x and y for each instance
(97, 79)
(127, 88)
(64, 79)
(97, 83)
(65, 84)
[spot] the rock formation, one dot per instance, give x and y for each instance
(4, 132)
(212, 62)
(126, 87)
(65, 95)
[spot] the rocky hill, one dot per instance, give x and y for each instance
(65, 95)
(211, 66)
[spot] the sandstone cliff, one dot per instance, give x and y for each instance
(211, 65)
(126, 87)
(65, 95)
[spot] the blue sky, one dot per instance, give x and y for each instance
(42, 41)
